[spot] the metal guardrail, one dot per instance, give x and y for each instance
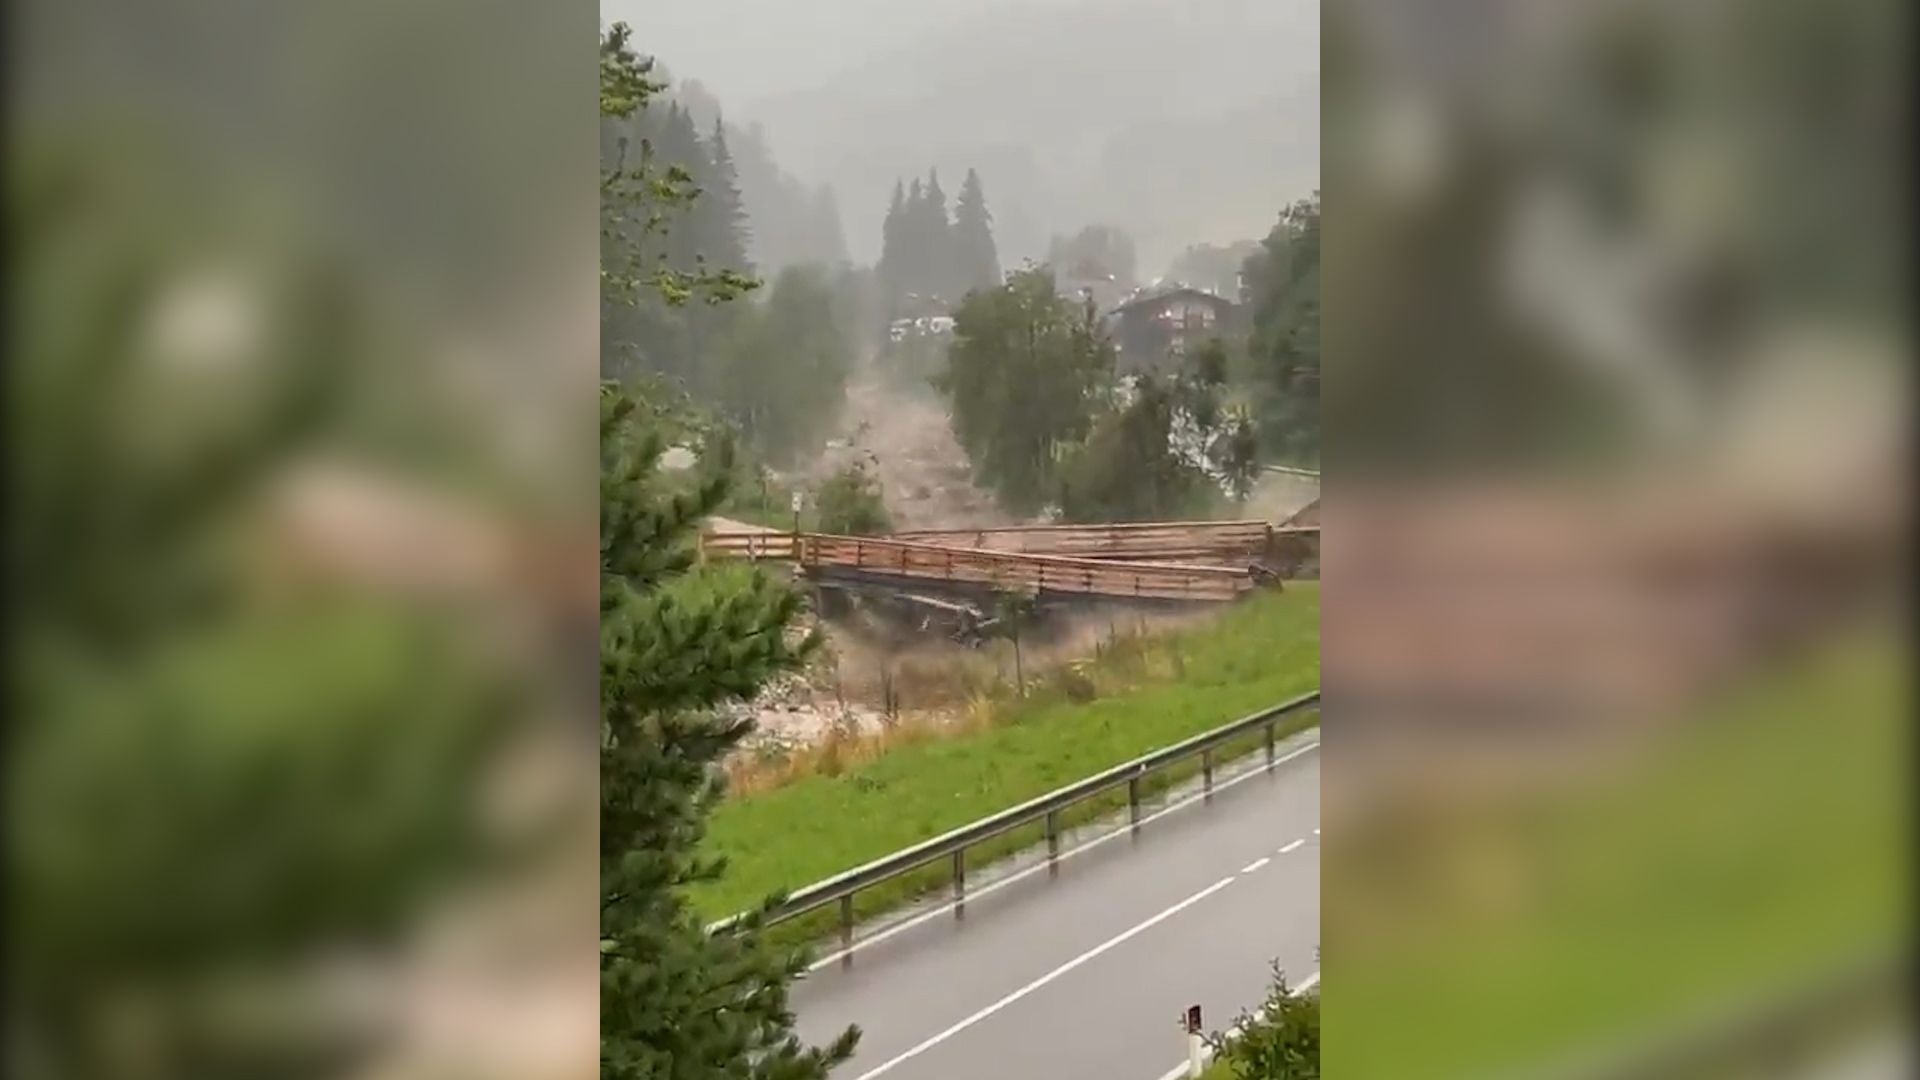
(954, 844)
(1289, 470)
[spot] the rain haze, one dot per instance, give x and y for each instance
(1178, 122)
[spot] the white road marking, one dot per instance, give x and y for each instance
(1291, 846)
(1256, 864)
(1178, 1072)
(1112, 942)
(1000, 883)
(1316, 832)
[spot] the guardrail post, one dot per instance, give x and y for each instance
(1053, 841)
(846, 930)
(1133, 801)
(1206, 771)
(959, 880)
(1270, 734)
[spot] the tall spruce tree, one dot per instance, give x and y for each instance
(976, 259)
(675, 641)
(680, 145)
(936, 242)
(726, 232)
(893, 255)
(913, 247)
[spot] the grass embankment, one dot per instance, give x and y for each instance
(1261, 652)
(1758, 845)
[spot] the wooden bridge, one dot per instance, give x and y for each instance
(1198, 561)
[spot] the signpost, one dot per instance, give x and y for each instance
(799, 500)
(1196, 1047)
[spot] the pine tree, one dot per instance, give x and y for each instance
(726, 232)
(676, 1002)
(680, 144)
(675, 641)
(976, 260)
(892, 266)
(936, 233)
(913, 234)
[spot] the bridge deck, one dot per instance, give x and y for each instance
(1186, 560)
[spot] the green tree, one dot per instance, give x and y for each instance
(892, 265)
(976, 260)
(675, 641)
(914, 267)
(1025, 375)
(780, 372)
(1280, 1041)
(650, 251)
(1165, 448)
(1282, 283)
(1127, 469)
(1013, 612)
(724, 232)
(209, 786)
(934, 260)
(1234, 451)
(850, 503)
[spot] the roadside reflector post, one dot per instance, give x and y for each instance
(1196, 1043)
(1270, 734)
(1133, 801)
(1206, 771)
(1053, 840)
(959, 879)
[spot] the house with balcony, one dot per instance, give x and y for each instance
(1155, 329)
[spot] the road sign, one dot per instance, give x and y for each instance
(799, 500)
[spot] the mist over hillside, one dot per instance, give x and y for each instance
(1181, 121)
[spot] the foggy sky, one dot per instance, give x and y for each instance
(1180, 120)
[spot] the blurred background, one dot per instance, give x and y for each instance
(301, 401)
(302, 355)
(1615, 413)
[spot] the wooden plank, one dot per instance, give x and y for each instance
(994, 568)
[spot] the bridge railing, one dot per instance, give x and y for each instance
(1160, 541)
(1163, 561)
(1023, 572)
(841, 888)
(750, 545)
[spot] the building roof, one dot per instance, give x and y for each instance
(1159, 296)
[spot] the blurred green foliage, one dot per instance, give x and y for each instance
(210, 782)
(1751, 848)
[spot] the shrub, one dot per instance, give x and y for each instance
(1280, 1041)
(849, 503)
